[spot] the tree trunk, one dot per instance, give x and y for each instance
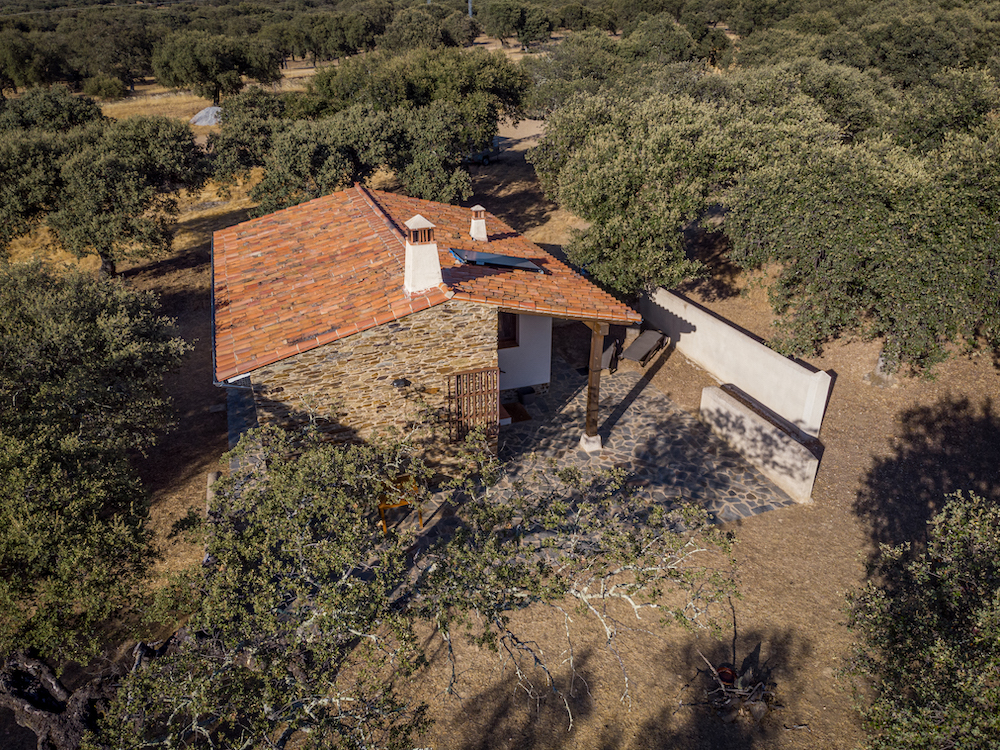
(40, 702)
(108, 268)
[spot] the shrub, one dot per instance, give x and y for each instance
(929, 627)
(104, 87)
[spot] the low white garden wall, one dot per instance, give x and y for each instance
(796, 393)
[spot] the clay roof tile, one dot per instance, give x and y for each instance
(332, 267)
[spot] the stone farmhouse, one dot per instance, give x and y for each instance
(348, 311)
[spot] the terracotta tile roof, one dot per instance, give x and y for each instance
(317, 272)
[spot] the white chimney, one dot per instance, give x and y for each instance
(423, 268)
(478, 230)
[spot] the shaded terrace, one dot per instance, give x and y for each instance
(667, 452)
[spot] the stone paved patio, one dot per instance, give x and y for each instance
(668, 453)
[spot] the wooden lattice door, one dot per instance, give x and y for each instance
(474, 401)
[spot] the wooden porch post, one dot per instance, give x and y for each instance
(598, 332)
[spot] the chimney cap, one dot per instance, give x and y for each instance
(478, 229)
(418, 222)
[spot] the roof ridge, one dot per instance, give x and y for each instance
(370, 199)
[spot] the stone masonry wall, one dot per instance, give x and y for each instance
(346, 388)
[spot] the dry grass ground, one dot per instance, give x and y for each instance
(150, 98)
(162, 103)
(891, 454)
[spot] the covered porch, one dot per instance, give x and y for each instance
(667, 453)
(525, 356)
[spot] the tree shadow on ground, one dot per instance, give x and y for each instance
(506, 716)
(943, 448)
(192, 247)
(151, 273)
(199, 434)
(690, 724)
(502, 716)
(720, 279)
(509, 189)
(193, 445)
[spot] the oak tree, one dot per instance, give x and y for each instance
(641, 171)
(876, 240)
(105, 187)
(214, 64)
(119, 192)
(80, 389)
(418, 114)
(928, 624)
(304, 619)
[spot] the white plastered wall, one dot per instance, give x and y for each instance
(528, 363)
(794, 392)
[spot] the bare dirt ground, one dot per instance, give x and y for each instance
(176, 469)
(890, 456)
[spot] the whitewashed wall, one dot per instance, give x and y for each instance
(528, 363)
(793, 391)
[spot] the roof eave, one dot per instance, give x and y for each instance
(418, 303)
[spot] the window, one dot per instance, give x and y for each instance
(506, 330)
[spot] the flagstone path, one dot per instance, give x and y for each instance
(668, 454)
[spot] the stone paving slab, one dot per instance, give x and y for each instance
(668, 453)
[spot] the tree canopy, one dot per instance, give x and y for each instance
(382, 82)
(304, 619)
(214, 65)
(879, 241)
(79, 389)
(52, 109)
(642, 171)
(851, 184)
(418, 114)
(928, 624)
(103, 186)
(412, 28)
(528, 22)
